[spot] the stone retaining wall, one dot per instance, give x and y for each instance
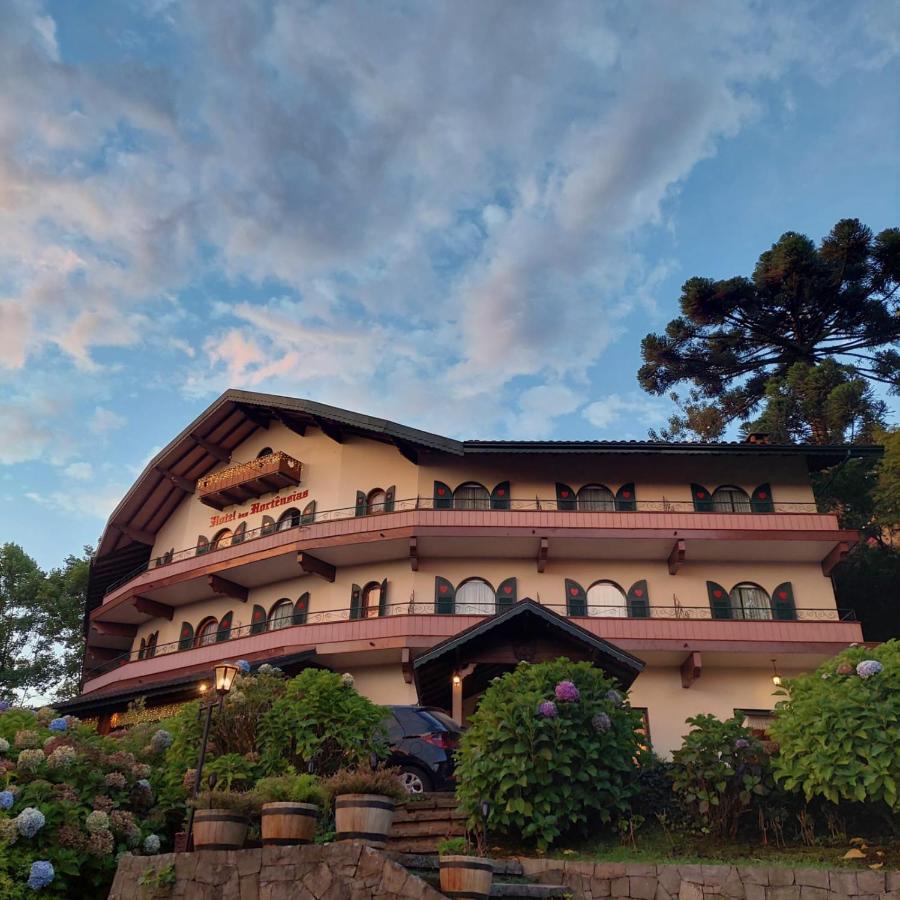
(589, 881)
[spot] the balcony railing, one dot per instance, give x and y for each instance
(428, 608)
(535, 504)
(242, 481)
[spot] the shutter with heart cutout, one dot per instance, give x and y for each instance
(761, 499)
(382, 598)
(719, 601)
(625, 499)
(506, 594)
(783, 606)
(389, 496)
(186, 636)
(444, 596)
(308, 516)
(638, 600)
(565, 496)
(500, 496)
(223, 632)
(301, 608)
(576, 599)
(443, 496)
(355, 601)
(702, 498)
(258, 620)
(202, 544)
(360, 504)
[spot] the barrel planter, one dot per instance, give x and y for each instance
(363, 817)
(219, 829)
(288, 823)
(466, 877)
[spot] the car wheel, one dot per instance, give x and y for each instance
(415, 780)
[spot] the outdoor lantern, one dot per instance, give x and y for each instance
(225, 674)
(776, 678)
(457, 679)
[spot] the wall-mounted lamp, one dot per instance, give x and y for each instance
(776, 678)
(203, 687)
(457, 679)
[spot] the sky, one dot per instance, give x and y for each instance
(462, 216)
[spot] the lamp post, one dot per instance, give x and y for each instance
(225, 673)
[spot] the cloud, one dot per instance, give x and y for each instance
(80, 471)
(634, 409)
(103, 421)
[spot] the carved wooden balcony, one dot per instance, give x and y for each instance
(245, 481)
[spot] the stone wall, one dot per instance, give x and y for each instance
(589, 881)
(345, 871)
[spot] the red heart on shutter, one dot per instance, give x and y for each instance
(501, 492)
(563, 493)
(717, 594)
(573, 592)
(301, 604)
(638, 592)
(626, 494)
(507, 589)
(441, 491)
(443, 588)
(762, 495)
(782, 595)
(701, 494)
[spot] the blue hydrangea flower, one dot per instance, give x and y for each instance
(614, 697)
(601, 722)
(29, 822)
(41, 875)
(6, 799)
(243, 667)
(567, 692)
(741, 744)
(151, 844)
(161, 740)
(5, 705)
(869, 667)
(59, 725)
(143, 783)
(547, 709)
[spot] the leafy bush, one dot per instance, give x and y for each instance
(453, 846)
(321, 724)
(718, 772)
(837, 730)
(366, 780)
(292, 789)
(548, 765)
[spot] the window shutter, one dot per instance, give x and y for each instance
(224, 630)
(719, 601)
(239, 533)
(355, 601)
(389, 495)
(268, 525)
(500, 496)
(360, 503)
(638, 600)
(783, 607)
(576, 599)
(506, 594)
(308, 516)
(382, 600)
(761, 500)
(443, 496)
(625, 500)
(151, 644)
(143, 649)
(202, 544)
(186, 636)
(257, 620)
(702, 498)
(301, 608)
(565, 496)
(444, 596)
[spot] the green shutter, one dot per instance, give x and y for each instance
(202, 544)
(444, 596)
(638, 600)
(239, 533)
(702, 498)
(443, 496)
(382, 600)
(355, 601)
(308, 516)
(576, 599)
(268, 525)
(500, 496)
(565, 496)
(301, 608)
(360, 503)
(783, 607)
(719, 601)
(506, 594)
(761, 500)
(625, 499)
(186, 636)
(258, 620)
(224, 630)
(389, 496)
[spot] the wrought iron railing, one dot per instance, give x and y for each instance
(535, 504)
(429, 608)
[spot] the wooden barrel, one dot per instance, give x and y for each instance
(466, 877)
(363, 817)
(219, 829)
(288, 823)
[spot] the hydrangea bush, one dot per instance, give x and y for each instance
(838, 728)
(551, 748)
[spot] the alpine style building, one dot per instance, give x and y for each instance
(285, 531)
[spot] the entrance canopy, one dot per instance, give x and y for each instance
(528, 632)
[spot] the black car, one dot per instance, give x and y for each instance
(422, 743)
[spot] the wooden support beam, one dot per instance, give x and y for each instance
(256, 416)
(228, 588)
(676, 557)
(154, 608)
(414, 554)
(220, 453)
(114, 629)
(407, 450)
(298, 426)
(691, 669)
(185, 484)
(835, 556)
(137, 534)
(406, 664)
(543, 554)
(312, 565)
(330, 429)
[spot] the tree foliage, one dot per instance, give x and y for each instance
(800, 340)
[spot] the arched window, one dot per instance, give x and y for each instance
(371, 600)
(143, 650)
(151, 645)
(222, 539)
(282, 615)
(606, 599)
(475, 597)
(206, 632)
(375, 502)
(730, 499)
(471, 496)
(750, 601)
(596, 498)
(288, 519)
(266, 451)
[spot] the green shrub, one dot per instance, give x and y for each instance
(719, 771)
(291, 789)
(366, 780)
(454, 846)
(838, 732)
(246, 803)
(544, 774)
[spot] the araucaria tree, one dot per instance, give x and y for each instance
(799, 344)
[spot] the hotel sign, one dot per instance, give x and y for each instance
(256, 507)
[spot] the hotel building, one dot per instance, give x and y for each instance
(285, 531)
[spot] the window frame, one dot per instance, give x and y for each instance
(739, 611)
(371, 509)
(624, 595)
(216, 542)
(288, 620)
(490, 605)
(210, 624)
(732, 490)
(295, 519)
(472, 504)
(585, 505)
